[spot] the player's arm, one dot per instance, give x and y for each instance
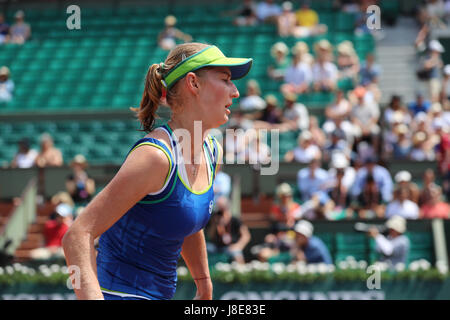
(144, 171)
(194, 254)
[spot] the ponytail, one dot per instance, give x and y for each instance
(150, 101)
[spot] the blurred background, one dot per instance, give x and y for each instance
(358, 91)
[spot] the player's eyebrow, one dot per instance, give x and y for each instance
(228, 73)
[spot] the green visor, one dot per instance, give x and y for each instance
(208, 57)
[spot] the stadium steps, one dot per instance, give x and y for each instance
(396, 56)
(35, 237)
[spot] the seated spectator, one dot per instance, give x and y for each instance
(307, 247)
(295, 113)
(428, 184)
(252, 100)
(20, 31)
(370, 204)
(347, 61)
(280, 61)
(286, 21)
(435, 208)
(222, 185)
(402, 206)
(380, 175)
(167, 38)
(336, 143)
(268, 11)
(342, 177)
(312, 183)
(48, 156)
(298, 76)
(369, 71)
(306, 151)
(308, 22)
(319, 137)
(396, 113)
(257, 152)
(394, 248)
(6, 85)
(324, 71)
(432, 65)
(303, 49)
(284, 213)
(25, 157)
(4, 29)
(246, 14)
(272, 113)
(402, 147)
(340, 108)
(403, 180)
(421, 150)
(420, 105)
(78, 184)
(54, 230)
(227, 234)
(365, 115)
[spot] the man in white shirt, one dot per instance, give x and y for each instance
(394, 248)
(402, 206)
(295, 112)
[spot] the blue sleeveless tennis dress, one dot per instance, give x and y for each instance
(137, 257)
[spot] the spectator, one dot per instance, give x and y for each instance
(6, 85)
(311, 182)
(303, 49)
(402, 206)
(337, 143)
(319, 137)
(428, 184)
(421, 150)
(272, 113)
(284, 213)
(403, 180)
(268, 11)
(246, 14)
(4, 29)
(78, 184)
(396, 113)
(227, 234)
(365, 115)
(295, 113)
(222, 185)
(252, 100)
(298, 75)
(370, 204)
(309, 248)
(54, 230)
(286, 21)
(431, 67)
(20, 31)
(324, 71)
(25, 157)
(347, 62)
(306, 151)
(49, 156)
(342, 177)
(257, 152)
(402, 147)
(308, 22)
(435, 208)
(340, 108)
(381, 176)
(420, 105)
(369, 72)
(280, 61)
(167, 38)
(394, 248)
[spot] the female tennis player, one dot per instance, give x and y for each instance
(156, 206)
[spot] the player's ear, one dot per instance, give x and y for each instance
(192, 82)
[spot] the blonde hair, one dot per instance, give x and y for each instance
(153, 90)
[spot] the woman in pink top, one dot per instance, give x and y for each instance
(435, 208)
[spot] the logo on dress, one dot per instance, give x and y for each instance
(211, 204)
